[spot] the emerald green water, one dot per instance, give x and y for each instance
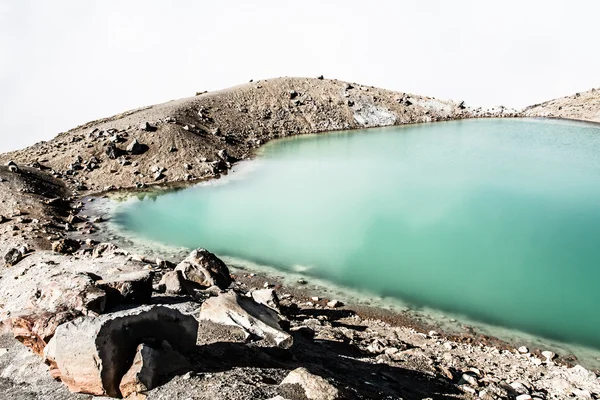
(495, 219)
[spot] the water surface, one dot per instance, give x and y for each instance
(495, 219)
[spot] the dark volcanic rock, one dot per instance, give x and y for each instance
(12, 257)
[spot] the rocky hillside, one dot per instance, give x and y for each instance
(90, 319)
(201, 136)
(584, 106)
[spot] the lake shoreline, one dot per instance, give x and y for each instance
(198, 139)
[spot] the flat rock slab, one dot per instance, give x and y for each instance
(92, 354)
(256, 319)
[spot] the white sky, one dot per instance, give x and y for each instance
(65, 62)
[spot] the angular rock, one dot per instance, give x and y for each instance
(91, 355)
(12, 257)
(205, 269)
(35, 330)
(315, 387)
(151, 365)
(256, 319)
(135, 147)
(65, 246)
(131, 288)
(173, 282)
(145, 126)
(267, 297)
(112, 151)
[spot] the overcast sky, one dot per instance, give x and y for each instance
(65, 62)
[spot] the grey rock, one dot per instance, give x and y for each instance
(314, 386)
(65, 246)
(12, 257)
(151, 364)
(92, 354)
(256, 319)
(145, 126)
(173, 282)
(130, 288)
(266, 297)
(205, 269)
(135, 147)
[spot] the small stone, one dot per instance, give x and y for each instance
(315, 298)
(523, 350)
(549, 355)
(65, 246)
(523, 397)
(334, 304)
(12, 257)
(470, 379)
(135, 147)
(145, 126)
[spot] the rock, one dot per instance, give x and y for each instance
(470, 379)
(43, 297)
(267, 297)
(35, 330)
(112, 151)
(255, 319)
(135, 147)
(131, 288)
(223, 155)
(549, 355)
(320, 77)
(173, 282)
(145, 126)
(205, 269)
(104, 249)
(315, 387)
(519, 388)
(91, 355)
(582, 394)
(12, 257)
(523, 397)
(65, 246)
(151, 364)
(334, 304)
(12, 166)
(293, 94)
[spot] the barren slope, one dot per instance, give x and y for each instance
(190, 132)
(583, 106)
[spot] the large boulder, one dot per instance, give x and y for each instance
(205, 269)
(314, 387)
(93, 354)
(151, 365)
(255, 319)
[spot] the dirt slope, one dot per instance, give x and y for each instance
(584, 106)
(190, 132)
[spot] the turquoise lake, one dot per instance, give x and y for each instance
(497, 219)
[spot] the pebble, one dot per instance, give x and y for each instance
(523, 350)
(549, 355)
(470, 379)
(523, 397)
(334, 304)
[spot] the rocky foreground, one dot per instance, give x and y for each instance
(91, 319)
